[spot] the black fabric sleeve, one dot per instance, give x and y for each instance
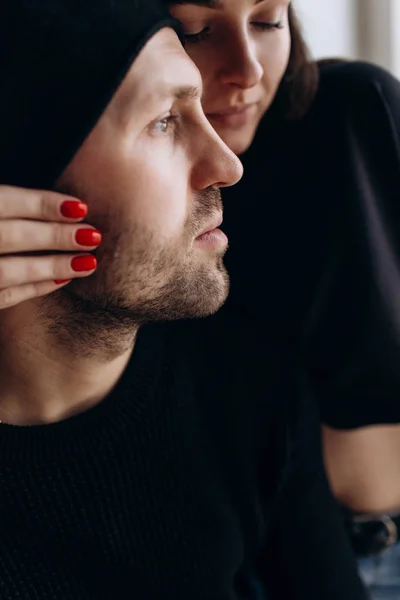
(353, 329)
(307, 553)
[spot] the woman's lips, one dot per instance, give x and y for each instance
(234, 117)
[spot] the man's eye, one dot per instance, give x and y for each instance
(193, 38)
(163, 125)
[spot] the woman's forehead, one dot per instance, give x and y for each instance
(218, 4)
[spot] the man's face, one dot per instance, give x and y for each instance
(150, 172)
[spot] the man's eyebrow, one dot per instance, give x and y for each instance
(191, 92)
(185, 93)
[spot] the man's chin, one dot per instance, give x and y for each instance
(193, 293)
(211, 293)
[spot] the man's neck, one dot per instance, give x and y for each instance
(46, 374)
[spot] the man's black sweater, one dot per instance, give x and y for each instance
(200, 471)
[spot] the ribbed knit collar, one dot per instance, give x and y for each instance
(87, 431)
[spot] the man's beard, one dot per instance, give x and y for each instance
(139, 280)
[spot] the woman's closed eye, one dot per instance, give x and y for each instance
(264, 26)
(200, 36)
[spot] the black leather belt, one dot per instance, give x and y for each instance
(372, 534)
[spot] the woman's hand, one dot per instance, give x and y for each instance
(40, 222)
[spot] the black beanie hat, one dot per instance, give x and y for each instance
(61, 62)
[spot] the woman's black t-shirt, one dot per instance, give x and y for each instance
(314, 230)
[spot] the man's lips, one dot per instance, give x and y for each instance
(212, 238)
(214, 224)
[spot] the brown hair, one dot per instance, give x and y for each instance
(300, 82)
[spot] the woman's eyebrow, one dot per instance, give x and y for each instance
(215, 4)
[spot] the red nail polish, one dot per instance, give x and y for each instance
(88, 237)
(84, 263)
(60, 281)
(72, 209)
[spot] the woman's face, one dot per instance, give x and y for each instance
(242, 49)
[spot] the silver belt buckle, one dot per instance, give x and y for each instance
(387, 522)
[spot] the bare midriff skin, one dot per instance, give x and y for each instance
(363, 467)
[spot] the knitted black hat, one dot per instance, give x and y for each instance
(61, 62)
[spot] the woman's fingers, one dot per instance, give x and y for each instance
(15, 295)
(36, 221)
(21, 270)
(18, 236)
(42, 205)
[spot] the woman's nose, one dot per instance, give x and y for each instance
(241, 65)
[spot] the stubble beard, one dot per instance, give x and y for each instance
(140, 281)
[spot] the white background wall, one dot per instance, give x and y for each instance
(366, 29)
(396, 37)
(329, 26)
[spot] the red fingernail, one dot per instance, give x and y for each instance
(60, 281)
(72, 209)
(88, 237)
(84, 263)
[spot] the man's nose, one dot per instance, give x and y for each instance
(217, 165)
